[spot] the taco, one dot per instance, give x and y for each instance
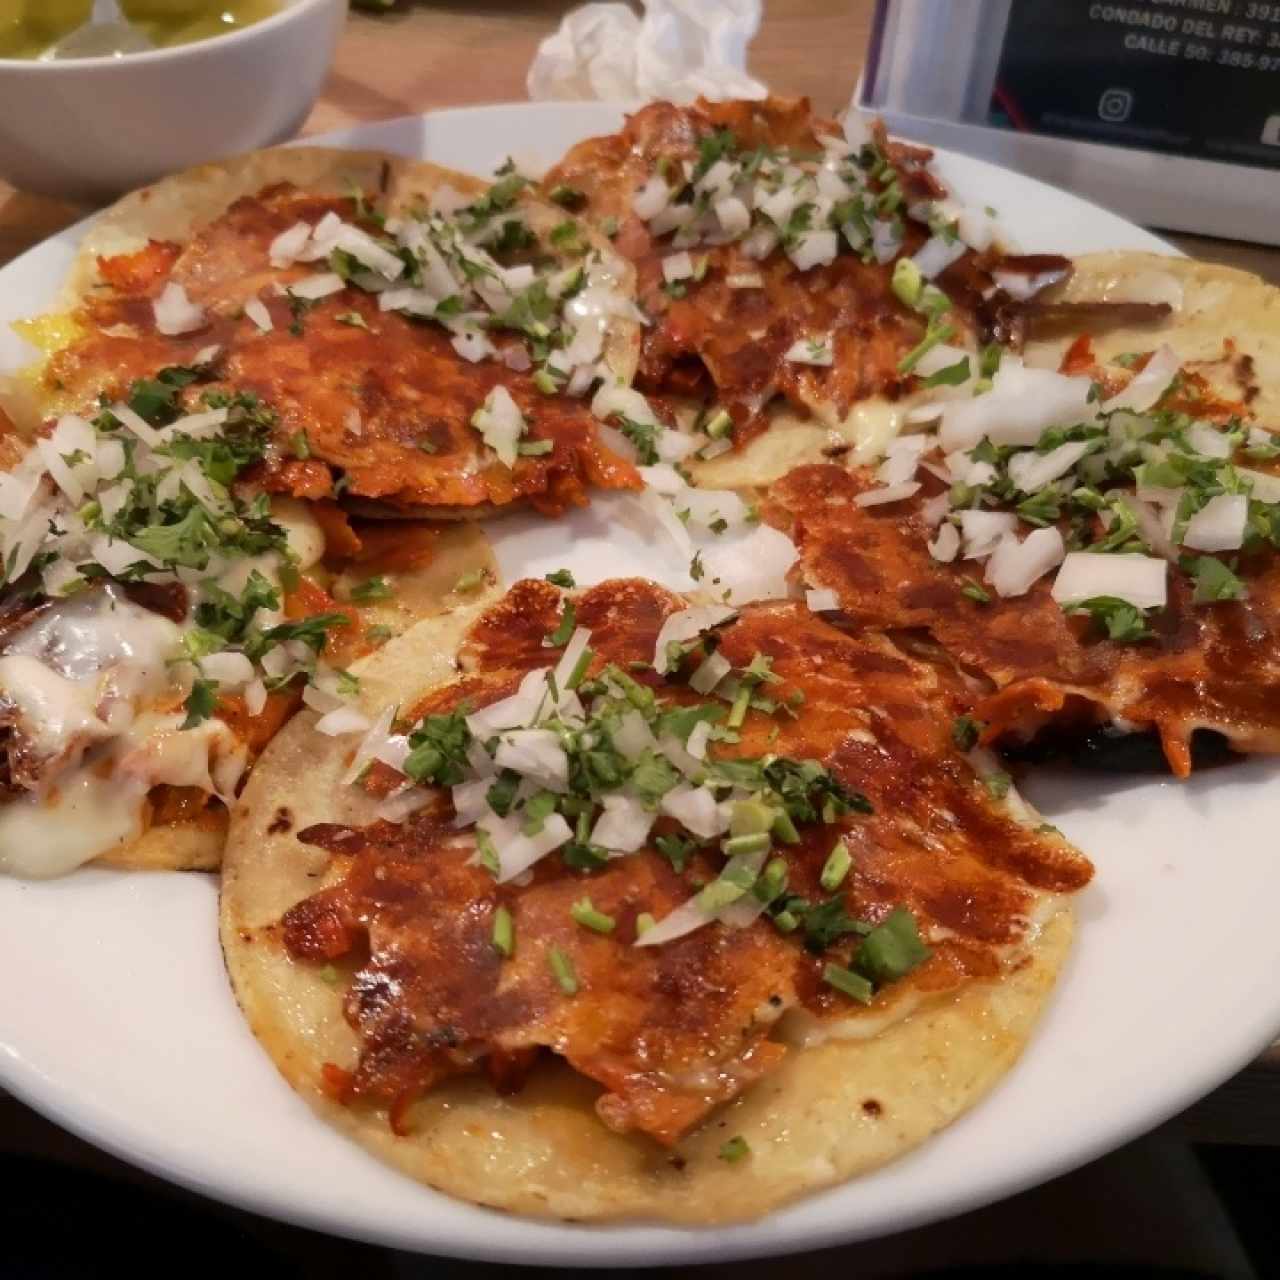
(1098, 543)
(794, 276)
(161, 616)
(424, 338)
(630, 907)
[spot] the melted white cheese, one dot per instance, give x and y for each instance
(87, 815)
(83, 636)
(85, 678)
(302, 533)
(53, 711)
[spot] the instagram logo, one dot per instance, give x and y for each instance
(1115, 105)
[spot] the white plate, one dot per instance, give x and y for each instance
(116, 1019)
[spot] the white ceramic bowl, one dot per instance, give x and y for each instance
(89, 128)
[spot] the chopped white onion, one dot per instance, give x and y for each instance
(400, 804)
(517, 852)
(815, 351)
(313, 288)
(255, 697)
(342, 721)
(672, 218)
(663, 478)
(937, 254)
(680, 756)
(287, 247)
(1148, 386)
(1153, 528)
(983, 530)
(814, 249)
(1015, 567)
(886, 240)
(651, 199)
(1140, 580)
(751, 567)
(256, 310)
(633, 737)
(1021, 286)
(624, 825)
(713, 668)
(1205, 440)
(699, 737)
(759, 243)
(535, 754)
(1219, 525)
(612, 398)
(18, 487)
(677, 266)
(696, 810)
(734, 216)
(1266, 488)
(745, 280)
(366, 752)
(1031, 471)
(470, 801)
(976, 227)
(902, 459)
(197, 425)
(1022, 403)
(685, 625)
(229, 668)
(577, 646)
(138, 425)
(473, 346)
(891, 493)
(175, 313)
(519, 709)
(685, 919)
(946, 544)
(501, 424)
(938, 358)
(821, 599)
(368, 252)
(417, 302)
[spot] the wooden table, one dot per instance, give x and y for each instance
(447, 53)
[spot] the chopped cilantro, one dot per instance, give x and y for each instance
(892, 949)
(438, 750)
(562, 970)
(1121, 620)
(200, 703)
(504, 932)
(1214, 580)
(564, 628)
(371, 589)
(585, 914)
(965, 732)
(567, 197)
(950, 376)
(997, 784)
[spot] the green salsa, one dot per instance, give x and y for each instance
(29, 27)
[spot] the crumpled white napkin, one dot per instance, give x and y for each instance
(677, 51)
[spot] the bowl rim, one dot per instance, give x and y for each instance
(292, 11)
